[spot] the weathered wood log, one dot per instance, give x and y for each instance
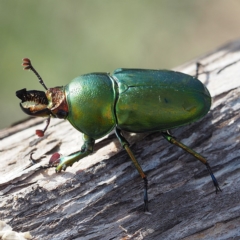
(100, 197)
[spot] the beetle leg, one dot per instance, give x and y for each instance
(125, 145)
(198, 66)
(86, 149)
(172, 140)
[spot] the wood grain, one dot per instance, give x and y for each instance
(100, 197)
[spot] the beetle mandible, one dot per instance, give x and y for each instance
(133, 100)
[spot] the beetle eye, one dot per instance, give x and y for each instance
(61, 114)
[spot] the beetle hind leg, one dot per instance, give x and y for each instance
(125, 145)
(172, 140)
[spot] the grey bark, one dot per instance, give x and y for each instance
(101, 197)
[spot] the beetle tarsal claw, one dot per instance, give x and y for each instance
(61, 167)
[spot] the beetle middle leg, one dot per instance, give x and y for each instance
(125, 145)
(172, 140)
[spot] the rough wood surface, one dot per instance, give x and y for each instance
(100, 197)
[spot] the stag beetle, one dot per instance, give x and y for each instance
(133, 100)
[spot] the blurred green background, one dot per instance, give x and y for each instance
(65, 39)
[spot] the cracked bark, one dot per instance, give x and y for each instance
(100, 197)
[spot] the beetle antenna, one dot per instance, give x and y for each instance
(28, 65)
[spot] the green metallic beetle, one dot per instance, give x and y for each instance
(133, 100)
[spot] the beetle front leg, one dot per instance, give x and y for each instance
(172, 140)
(125, 145)
(86, 149)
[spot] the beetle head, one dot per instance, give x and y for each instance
(43, 104)
(51, 103)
